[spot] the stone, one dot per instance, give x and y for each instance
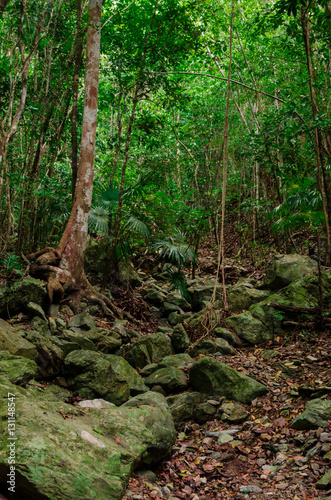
(106, 376)
(84, 455)
(233, 413)
(12, 341)
(209, 345)
(77, 338)
(49, 356)
(148, 349)
(61, 324)
(35, 310)
(95, 403)
(127, 274)
(250, 488)
(176, 299)
(202, 292)
(180, 340)
(249, 329)
(231, 337)
(16, 369)
(14, 298)
(284, 269)
(168, 308)
(204, 412)
(171, 379)
(210, 376)
(177, 360)
(148, 370)
(224, 438)
(269, 354)
(155, 296)
(241, 296)
(84, 321)
(182, 405)
(325, 482)
(316, 414)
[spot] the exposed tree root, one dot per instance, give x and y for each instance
(59, 282)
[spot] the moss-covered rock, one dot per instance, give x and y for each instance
(106, 376)
(177, 360)
(180, 340)
(317, 413)
(148, 349)
(230, 337)
(209, 376)
(15, 298)
(249, 329)
(12, 341)
(202, 292)
(16, 369)
(243, 295)
(182, 405)
(171, 379)
(284, 269)
(84, 456)
(49, 355)
(210, 345)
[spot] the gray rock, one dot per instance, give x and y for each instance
(202, 292)
(224, 438)
(106, 376)
(284, 269)
(95, 403)
(269, 354)
(49, 355)
(317, 413)
(148, 349)
(233, 413)
(208, 345)
(209, 376)
(250, 488)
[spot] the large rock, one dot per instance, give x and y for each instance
(171, 379)
(209, 345)
(12, 341)
(148, 349)
(97, 375)
(317, 413)
(84, 321)
(50, 356)
(178, 360)
(243, 295)
(180, 339)
(209, 376)
(202, 292)
(182, 406)
(16, 369)
(284, 269)
(63, 452)
(15, 298)
(127, 274)
(249, 329)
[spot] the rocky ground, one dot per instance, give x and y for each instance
(249, 392)
(262, 457)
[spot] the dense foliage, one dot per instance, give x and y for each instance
(162, 104)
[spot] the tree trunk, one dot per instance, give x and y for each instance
(64, 267)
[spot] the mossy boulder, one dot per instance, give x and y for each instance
(209, 376)
(15, 298)
(180, 339)
(202, 292)
(50, 356)
(96, 375)
(284, 269)
(12, 340)
(210, 345)
(148, 349)
(230, 337)
(16, 369)
(249, 329)
(182, 405)
(317, 414)
(85, 456)
(243, 295)
(177, 360)
(171, 379)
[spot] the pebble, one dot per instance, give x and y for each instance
(250, 488)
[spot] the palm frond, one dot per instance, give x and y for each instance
(98, 221)
(177, 280)
(138, 226)
(175, 248)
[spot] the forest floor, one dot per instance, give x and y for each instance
(200, 469)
